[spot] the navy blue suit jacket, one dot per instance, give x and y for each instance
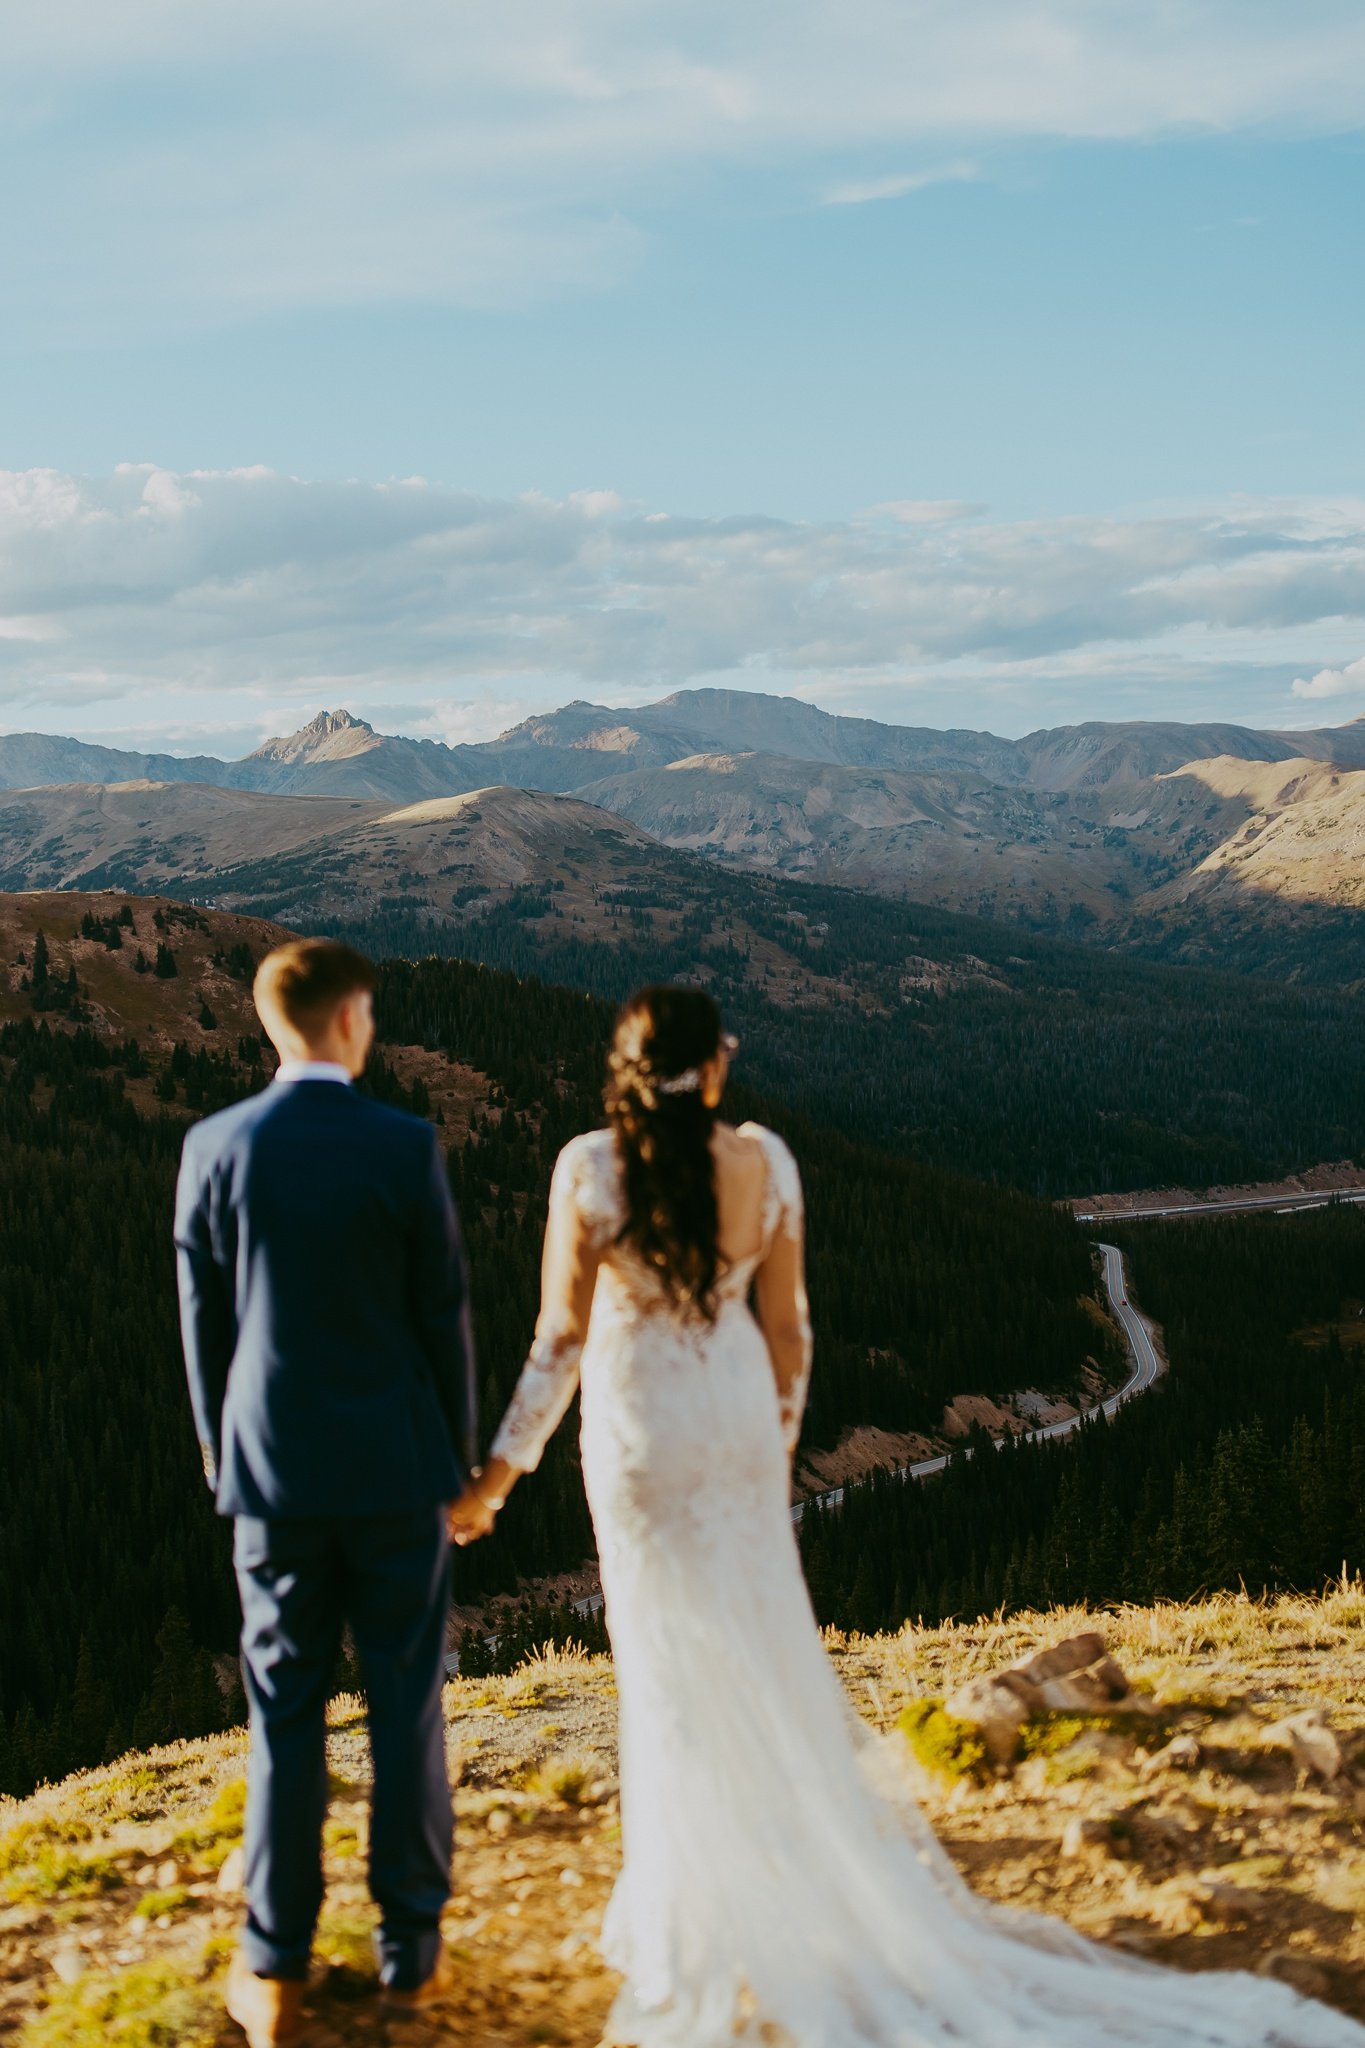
(324, 1306)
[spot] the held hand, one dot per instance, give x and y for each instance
(469, 1518)
(475, 1512)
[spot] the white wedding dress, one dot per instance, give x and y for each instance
(777, 1885)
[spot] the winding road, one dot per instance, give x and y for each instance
(1286, 1202)
(1145, 1367)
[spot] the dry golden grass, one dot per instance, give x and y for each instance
(1284, 1650)
(1239, 1860)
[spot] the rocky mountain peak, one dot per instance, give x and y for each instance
(328, 724)
(330, 733)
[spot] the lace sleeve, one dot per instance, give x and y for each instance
(576, 1234)
(781, 1284)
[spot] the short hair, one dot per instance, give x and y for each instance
(306, 979)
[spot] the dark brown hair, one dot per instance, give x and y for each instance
(663, 1038)
(305, 980)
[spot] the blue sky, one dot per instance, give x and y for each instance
(1078, 327)
(1027, 337)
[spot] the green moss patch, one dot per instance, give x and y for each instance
(216, 1832)
(340, 1838)
(943, 1744)
(152, 1905)
(150, 2005)
(345, 1942)
(38, 1860)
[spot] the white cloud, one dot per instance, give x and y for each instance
(1332, 682)
(164, 496)
(251, 596)
(596, 504)
(216, 161)
(863, 192)
(927, 511)
(16, 627)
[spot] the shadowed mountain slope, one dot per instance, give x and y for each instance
(969, 1041)
(1201, 842)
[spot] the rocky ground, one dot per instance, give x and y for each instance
(1191, 1826)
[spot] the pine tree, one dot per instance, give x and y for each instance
(165, 968)
(820, 1576)
(863, 1612)
(1242, 1510)
(25, 1749)
(91, 1710)
(476, 1659)
(184, 1698)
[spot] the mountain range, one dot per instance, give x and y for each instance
(336, 754)
(1205, 841)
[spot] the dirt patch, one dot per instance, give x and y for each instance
(861, 1451)
(1341, 1177)
(966, 1412)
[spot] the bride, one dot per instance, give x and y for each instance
(772, 1890)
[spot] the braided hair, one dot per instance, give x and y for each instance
(664, 1037)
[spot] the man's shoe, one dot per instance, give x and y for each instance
(436, 1988)
(269, 2010)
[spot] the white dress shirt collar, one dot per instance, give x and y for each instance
(313, 1070)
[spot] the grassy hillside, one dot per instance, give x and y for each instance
(111, 942)
(120, 1888)
(199, 1015)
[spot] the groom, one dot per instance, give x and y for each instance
(324, 1313)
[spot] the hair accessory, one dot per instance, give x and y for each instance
(686, 1083)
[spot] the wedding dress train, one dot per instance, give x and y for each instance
(773, 1890)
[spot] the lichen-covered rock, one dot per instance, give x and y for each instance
(1075, 1676)
(1181, 1753)
(998, 1703)
(1310, 1740)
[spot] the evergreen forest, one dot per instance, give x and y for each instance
(1048, 1065)
(1245, 1466)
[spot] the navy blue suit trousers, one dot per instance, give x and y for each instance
(299, 1580)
